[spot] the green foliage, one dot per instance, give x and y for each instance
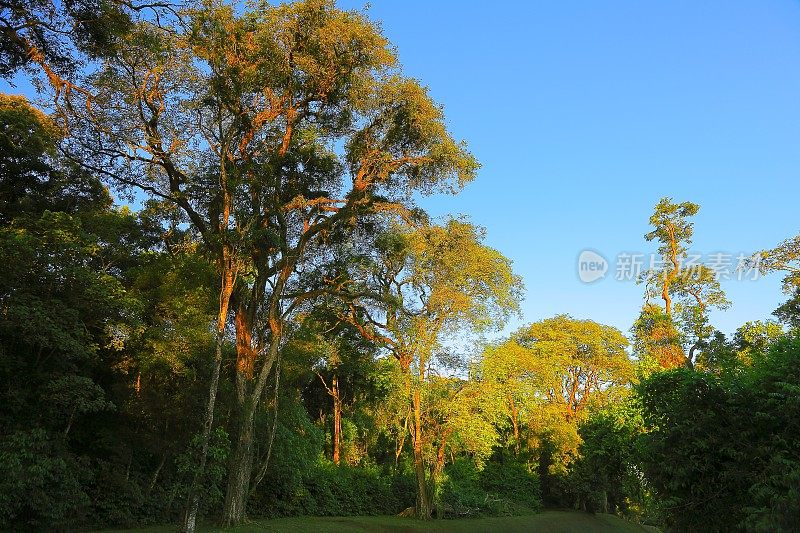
(332, 490)
(461, 494)
(690, 448)
(118, 497)
(721, 452)
(212, 479)
(783, 258)
(577, 365)
(75, 395)
(582, 362)
(296, 451)
(34, 37)
(669, 221)
(605, 477)
(656, 341)
(498, 489)
(673, 337)
(42, 485)
(789, 312)
(281, 145)
(771, 405)
(512, 481)
(753, 340)
(775, 498)
(91, 420)
(300, 482)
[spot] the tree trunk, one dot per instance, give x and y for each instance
(194, 498)
(241, 466)
(670, 276)
(690, 357)
(401, 440)
(423, 508)
(154, 478)
(337, 420)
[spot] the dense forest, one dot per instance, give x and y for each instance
(220, 299)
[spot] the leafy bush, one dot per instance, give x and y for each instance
(116, 498)
(511, 481)
(691, 451)
(344, 490)
(776, 499)
(722, 453)
(461, 495)
(296, 451)
(210, 482)
(499, 489)
(41, 485)
(299, 481)
(605, 477)
(770, 402)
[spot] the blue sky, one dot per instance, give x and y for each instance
(584, 113)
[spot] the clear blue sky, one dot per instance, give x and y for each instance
(584, 113)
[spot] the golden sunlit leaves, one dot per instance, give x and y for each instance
(551, 372)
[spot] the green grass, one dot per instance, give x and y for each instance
(548, 521)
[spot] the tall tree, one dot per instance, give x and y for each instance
(577, 364)
(673, 232)
(510, 371)
(276, 132)
(578, 360)
(459, 418)
(427, 283)
(692, 289)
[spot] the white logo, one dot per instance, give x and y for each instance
(591, 266)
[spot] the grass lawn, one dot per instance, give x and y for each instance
(548, 521)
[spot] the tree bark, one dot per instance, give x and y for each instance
(438, 468)
(241, 466)
(337, 420)
(423, 509)
(690, 356)
(249, 392)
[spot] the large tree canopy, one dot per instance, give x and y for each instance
(220, 298)
(419, 286)
(277, 133)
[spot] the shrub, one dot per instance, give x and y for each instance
(513, 482)
(776, 499)
(499, 489)
(460, 493)
(117, 499)
(211, 485)
(345, 490)
(41, 485)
